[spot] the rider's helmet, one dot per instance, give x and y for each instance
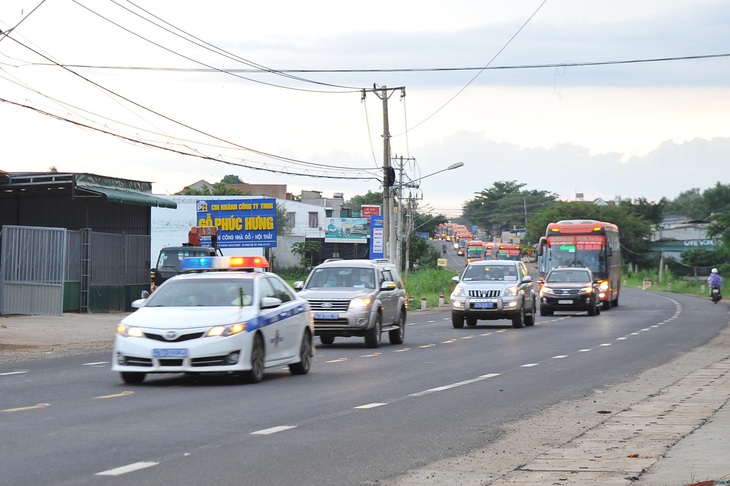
(714, 270)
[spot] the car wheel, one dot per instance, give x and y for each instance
(544, 311)
(606, 305)
(132, 378)
(518, 320)
(457, 321)
(471, 321)
(598, 310)
(614, 302)
(372, 336)
(397, 336)
(592, 309)
(530, 318)
(305, 356)
(256, 373)
(326, 339)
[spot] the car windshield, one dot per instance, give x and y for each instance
(347, 277)
(203, 292)
(569, 277)
(490, 272)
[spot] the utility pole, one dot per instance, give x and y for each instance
(388, 177)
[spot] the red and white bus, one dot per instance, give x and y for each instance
(584, 243)
(474, 251)
(507, 251)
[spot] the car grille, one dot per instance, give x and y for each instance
(485, 293)
(329, 305)
(182, 337)
(566, 291)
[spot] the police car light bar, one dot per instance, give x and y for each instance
(208, 263)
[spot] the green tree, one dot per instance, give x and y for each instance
(283, 227)
(218, 189)
(369, 198)
(505, 206)
(650, 211)
(689, 203)
(306, 250)
(231, 179)
(421, 254)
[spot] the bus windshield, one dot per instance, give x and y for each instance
(577, 251)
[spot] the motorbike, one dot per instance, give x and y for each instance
(443, 250)
(715, 294)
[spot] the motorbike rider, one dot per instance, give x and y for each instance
(443, 249)
(714, 280)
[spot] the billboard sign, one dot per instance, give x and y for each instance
(241, 223)
(347, 230)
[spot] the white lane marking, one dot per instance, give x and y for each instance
(118, 471)
(402, 350)
(584, 350)
(370, 405)
(14, 373)
(560, 356)
(374, 355)
(426, 345)
(273, 430)
(529, 365)
(467, 337)
(338, 360)
(450, 341)
(634, 334)
(453, 385)
(622, 338)
(605, 344)
(95, 364)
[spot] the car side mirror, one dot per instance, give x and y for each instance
(388, 285)
(527, 279)
(455, 279)
(298, 285)
(270, 302)
(136, 304)
(144, 294)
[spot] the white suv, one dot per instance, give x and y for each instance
(494, 289)
(356, 298)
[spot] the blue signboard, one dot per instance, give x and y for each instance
(241, 223)
(377, 237)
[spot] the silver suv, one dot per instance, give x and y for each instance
(494, 289)
(356, 298)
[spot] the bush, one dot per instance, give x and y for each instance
(429, 283)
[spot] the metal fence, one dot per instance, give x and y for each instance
(46, 271)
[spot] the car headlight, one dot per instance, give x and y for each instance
(129, 331)
(511, 291)
(603, 285)
(226, 331)
(458, 291)
(546, 290)
(360, 302)
(587, 290)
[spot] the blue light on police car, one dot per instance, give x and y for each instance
(197, 263)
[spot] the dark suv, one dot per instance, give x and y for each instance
(570, 289)
(494, 289)
(356, 298)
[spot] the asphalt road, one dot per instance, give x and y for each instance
(362, 415)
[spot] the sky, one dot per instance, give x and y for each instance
(606, 99)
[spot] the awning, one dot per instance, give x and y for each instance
(126, 196)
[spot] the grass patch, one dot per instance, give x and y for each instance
(429, 283)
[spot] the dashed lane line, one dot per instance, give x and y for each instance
(118, 471)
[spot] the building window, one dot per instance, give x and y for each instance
(291, 219)
(314, 220)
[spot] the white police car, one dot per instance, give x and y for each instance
(207, 320)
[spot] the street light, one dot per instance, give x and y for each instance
(394, 242)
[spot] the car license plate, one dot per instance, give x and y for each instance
(326, 315)
(170, 353)
(568, 302)
(483, 305)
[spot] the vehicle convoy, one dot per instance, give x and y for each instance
(169, 258)
(494, 289)
(221, 315)
(362, 298)
(570, 289)
(584, 243)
